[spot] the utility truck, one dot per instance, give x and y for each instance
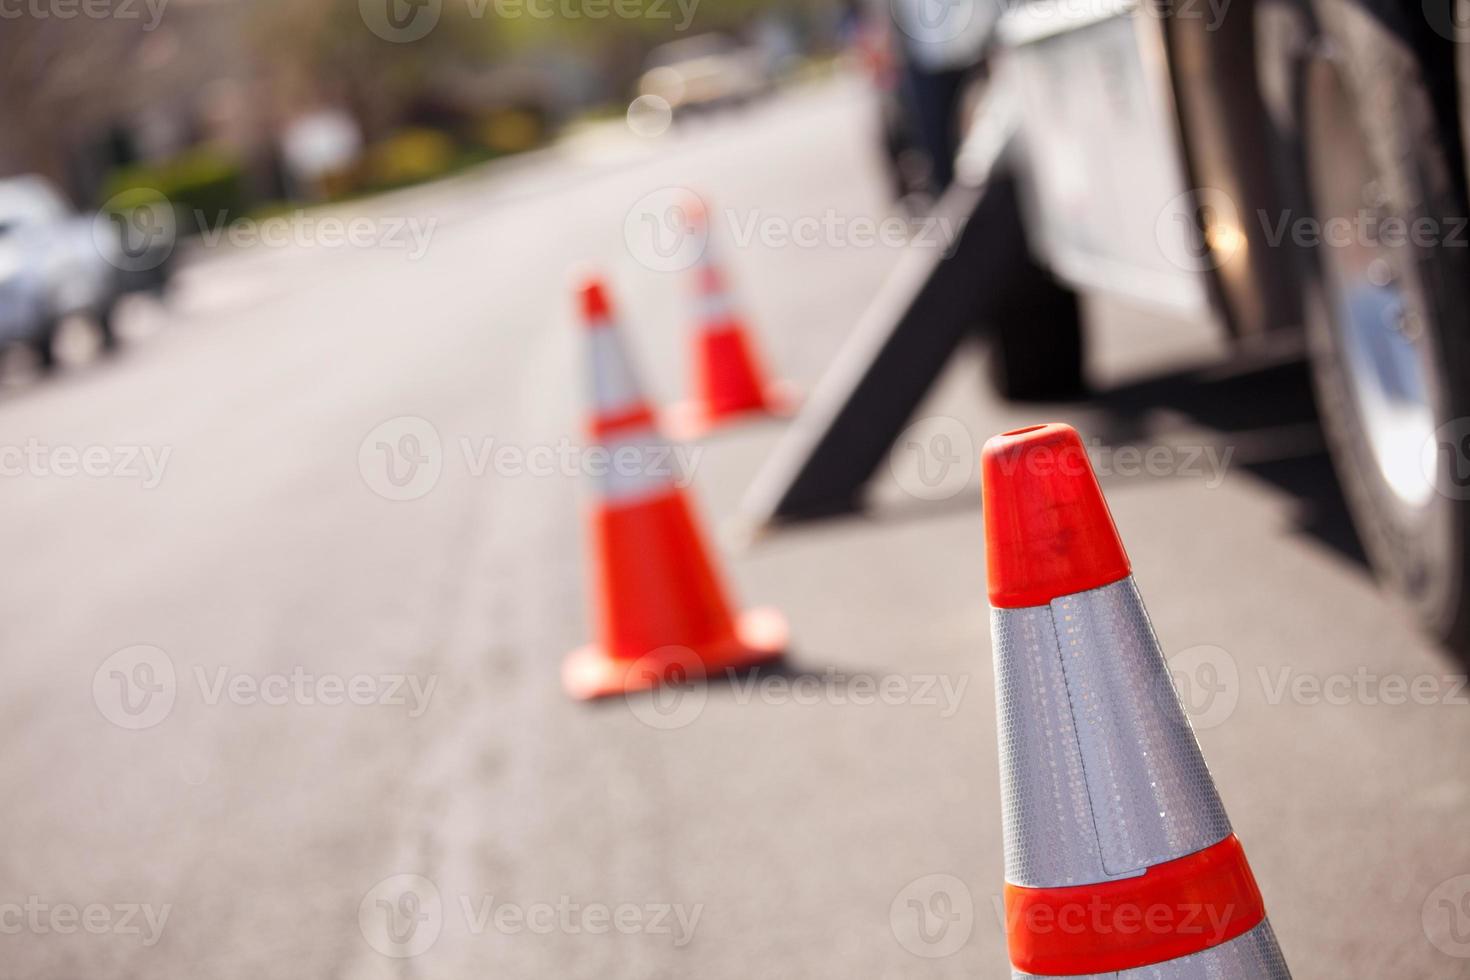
(1293, 170)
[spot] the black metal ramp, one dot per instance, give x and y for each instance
(932, 301)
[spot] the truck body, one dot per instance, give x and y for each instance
(1292, 170)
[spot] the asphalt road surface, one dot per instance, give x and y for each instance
(262, 720)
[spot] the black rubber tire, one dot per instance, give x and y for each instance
(107, 328)
(1395, 79)
(44, 344)
(1037, 350)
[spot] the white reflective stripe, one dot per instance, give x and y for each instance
(1101, 776)
(640, 464)
(615, 386)
(714, 308)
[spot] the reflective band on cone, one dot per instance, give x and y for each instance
(1120, 859)
(1171, 910)
(729, 381)
(655, 587)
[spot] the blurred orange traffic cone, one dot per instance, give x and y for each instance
(729, 382)
(659, 601)
(1120, 860)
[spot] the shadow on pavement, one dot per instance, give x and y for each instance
(748, 681)
(1264, 413)
(1259, 411)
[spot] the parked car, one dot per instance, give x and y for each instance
(54, 264)
(706, 72)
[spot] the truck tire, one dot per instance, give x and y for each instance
(1380, 241)
(1034, 328)
(1037, 353)
(107, 327)
(44, 345)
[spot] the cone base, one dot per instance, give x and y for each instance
(691, 419)
(590, 672)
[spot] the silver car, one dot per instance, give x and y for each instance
(54, 264)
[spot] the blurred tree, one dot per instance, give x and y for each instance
(48, 71)
(323, 50)
(87, 94)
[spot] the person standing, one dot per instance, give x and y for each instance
(941, 42)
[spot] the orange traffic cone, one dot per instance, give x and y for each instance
(1120, 860)
(659, 601)
(729, 382)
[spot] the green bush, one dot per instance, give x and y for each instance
(409, 156)
(510, 131)
(200, 182)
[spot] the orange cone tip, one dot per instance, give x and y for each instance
(694, 208)
(660, 602)
(1048, 532)
(730, 383)
(596, 310)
